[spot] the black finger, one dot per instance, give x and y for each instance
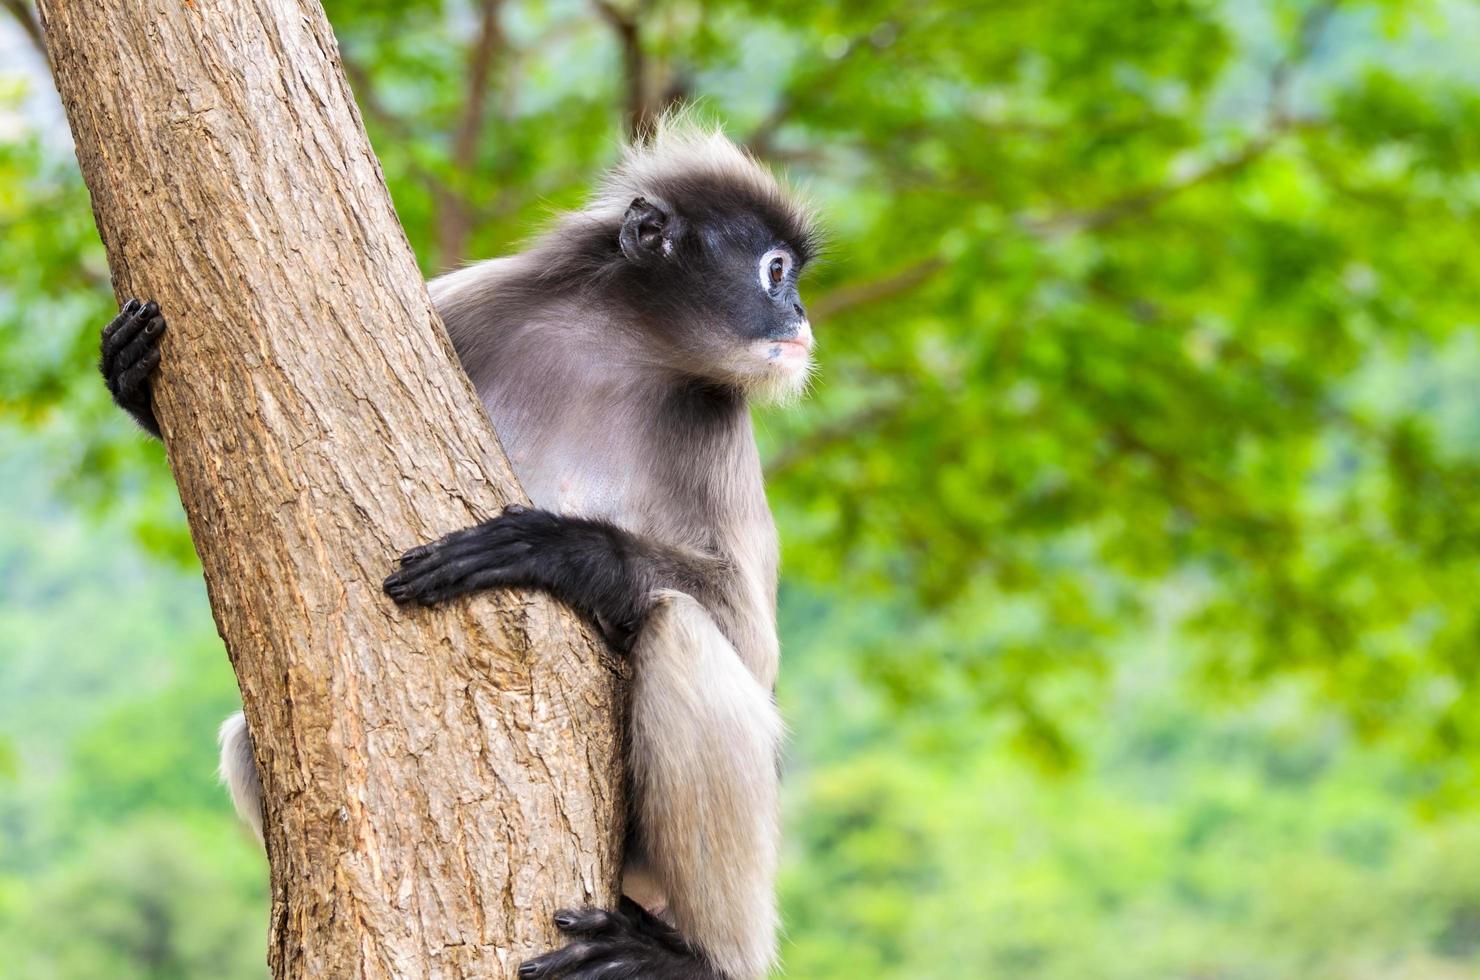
(495, 552)
(124, 312)
(121, 337)
(132, 388)
(144, 341)
(397, 590)
(487, 531)
(588, 922)
(134, 382)
(480, 557)
(500, 541)
(433, 547)
(618, 969)
(443, 571)
(558, 962)
(420, 559)
(431, 582)
(149, 363)
(418, 553)
(489, 578)
(458, 578)
(401, 585)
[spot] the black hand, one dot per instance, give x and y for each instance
(130, 353)
(625, 945)
(494, 553)
(600, 570)
(597, 568)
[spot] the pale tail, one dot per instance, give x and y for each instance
(239, 771)
(704, 741)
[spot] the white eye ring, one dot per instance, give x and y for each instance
(769, 268)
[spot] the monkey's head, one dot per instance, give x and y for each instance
(711, 250)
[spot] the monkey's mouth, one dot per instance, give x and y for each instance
(790, 354)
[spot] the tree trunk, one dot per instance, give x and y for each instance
(437, 782)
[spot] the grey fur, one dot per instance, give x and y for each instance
(239, 771)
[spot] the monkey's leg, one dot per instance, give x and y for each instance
(703, 742)
(130, 353)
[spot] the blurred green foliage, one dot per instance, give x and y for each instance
(1130, 535)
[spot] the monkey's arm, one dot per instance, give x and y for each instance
(130, 355)
(595, 567)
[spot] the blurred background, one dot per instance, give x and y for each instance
(1131, 600)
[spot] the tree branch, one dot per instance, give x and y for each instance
(1278, 120)
(638, 115)
(846, 298)
(1312, 26)
(21, 11)
(368, 100)
(1146, 199)
(454, 211)
(761, 141)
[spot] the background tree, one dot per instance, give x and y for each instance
(1129, 533)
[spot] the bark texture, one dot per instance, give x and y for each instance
(437, 781)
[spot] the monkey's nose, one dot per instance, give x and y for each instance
(799, 311)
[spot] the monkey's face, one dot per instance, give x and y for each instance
(731, 312)
(749, 327)
(775, 352)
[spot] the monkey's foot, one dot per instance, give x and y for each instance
(626, 945)
(130, 355)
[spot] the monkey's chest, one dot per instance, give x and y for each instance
(581, 481)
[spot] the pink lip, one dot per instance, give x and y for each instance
(787, 351)
(797, 347)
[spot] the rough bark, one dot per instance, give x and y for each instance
(437, 781)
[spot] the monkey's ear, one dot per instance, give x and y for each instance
(649, 230)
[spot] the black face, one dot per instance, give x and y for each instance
(720, 281)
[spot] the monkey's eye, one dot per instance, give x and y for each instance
(775, 264)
